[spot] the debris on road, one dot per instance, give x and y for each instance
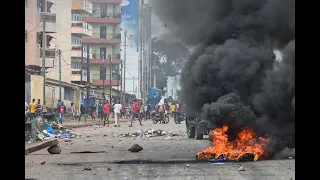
(135, 148)
(87, 169)
(32, 147)
(54, 149)
(109, 169)
(149, 133)
(43, 162)
(219, 160)
(83, 152)
(241, 169)
(187, 165)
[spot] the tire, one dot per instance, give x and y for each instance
(199, 136)
(166, 119)
(177, 121)
(191, 132)
(154, 120)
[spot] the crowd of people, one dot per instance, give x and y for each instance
(104, 110)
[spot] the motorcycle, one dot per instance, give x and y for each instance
(155, 116)
(178, 117)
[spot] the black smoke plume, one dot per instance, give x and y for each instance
(233, 76)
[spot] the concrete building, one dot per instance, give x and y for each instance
(104, 44)
(145, 63)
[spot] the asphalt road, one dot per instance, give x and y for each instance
(164, 157)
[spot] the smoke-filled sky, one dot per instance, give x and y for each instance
(233, 76)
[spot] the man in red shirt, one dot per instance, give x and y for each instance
(135, 107)
(106, 112)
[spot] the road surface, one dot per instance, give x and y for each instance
(164, 157)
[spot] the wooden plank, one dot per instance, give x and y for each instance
(38, 146)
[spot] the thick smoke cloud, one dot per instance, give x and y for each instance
(233, 77)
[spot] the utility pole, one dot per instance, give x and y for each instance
(121, 93)
(124, 64)
(81, 71)
(88, 79)
(104, 76)
(133, 84)
(110, 78)
(44, 10)
(60, 83)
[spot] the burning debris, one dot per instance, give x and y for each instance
(246, 146)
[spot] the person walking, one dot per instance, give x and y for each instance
(117, 109)
(39, 108)
(106, 112)
(93, 109)
(100, 111)
(81, 112)
(62, 110)
(135, 108)
(32, 108)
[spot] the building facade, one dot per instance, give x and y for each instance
(145, 63)
(104, 44)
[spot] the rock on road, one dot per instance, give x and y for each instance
(162, 157)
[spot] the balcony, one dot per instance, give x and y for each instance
(50, 55)
(97, 17)
(76, 51)
(81, 28)
(106, 82)
(97, 59)
(109, 38)
(107, 1)
(82, 6)
(50, 22)
(76, 75)
(116, 80)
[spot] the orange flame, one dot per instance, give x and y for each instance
(245, 143)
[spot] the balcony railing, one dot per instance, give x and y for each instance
(81, 28)
(107, 35)
(98, 14)
(50, 53)
(98, 55)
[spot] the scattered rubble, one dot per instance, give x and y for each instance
(148, 133)
(43, 162)
(87, 169)
(83, 152)
(135, 148)
(241, 169)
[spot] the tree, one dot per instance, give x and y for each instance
(169, 59)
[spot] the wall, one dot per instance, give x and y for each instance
(32, 49)
(52, 96)
(36, 87)
(62, 40)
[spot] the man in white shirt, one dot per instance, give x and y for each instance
(117, 110)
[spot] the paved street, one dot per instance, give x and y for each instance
(164, 157)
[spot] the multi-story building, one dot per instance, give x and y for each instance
(79, 30)
(104, 43)
(145, 63)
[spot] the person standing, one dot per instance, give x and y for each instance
(141, 111)
(123, 110)
(93, 109)
(62, 110)
(106, 112)
(100, 111)
(117, 109)
(161, 113)
(39, 108)
(58, 105)
(32, 108)
(134, 111)
(81, 112)
(73, 111)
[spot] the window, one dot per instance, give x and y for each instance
(103, 73)
(76, 17)
(68, 94)
(103, 11)
(75, 64)
(75, 41)
(103, 52)
(103, 32)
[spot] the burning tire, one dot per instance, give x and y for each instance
(191, 131)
